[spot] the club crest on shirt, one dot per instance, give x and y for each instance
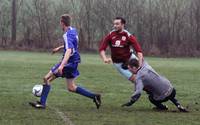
(124, 38)
(113, 37)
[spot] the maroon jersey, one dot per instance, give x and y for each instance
(120, 43)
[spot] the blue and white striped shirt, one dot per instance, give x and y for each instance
(71, 42)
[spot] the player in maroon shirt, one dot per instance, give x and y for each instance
(121, 42)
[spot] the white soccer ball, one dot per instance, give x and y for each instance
(37, 90)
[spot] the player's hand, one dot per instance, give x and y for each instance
(127, 104)
(55, 50)
(107, 60)
(60, 69)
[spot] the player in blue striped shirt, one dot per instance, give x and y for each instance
(67, 67)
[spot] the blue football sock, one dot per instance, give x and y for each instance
(45, 92)
(85, 92)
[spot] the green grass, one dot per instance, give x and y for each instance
(19, 71)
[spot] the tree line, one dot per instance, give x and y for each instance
(162, 27)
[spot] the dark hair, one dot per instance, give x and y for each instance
(66, 19)
(133, 63)
(123, 21)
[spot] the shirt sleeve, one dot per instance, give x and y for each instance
(138, 90)
(104, 43)
(68, 39)
(135, 43)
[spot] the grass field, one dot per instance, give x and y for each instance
(19, 71)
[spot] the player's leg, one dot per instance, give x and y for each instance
(158, 104)
(122, 68)
(173, 99)
(70, 72)
(72, 87)
(46, 88)
(124, 72)
(50, 76)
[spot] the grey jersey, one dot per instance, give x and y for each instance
(149, 80)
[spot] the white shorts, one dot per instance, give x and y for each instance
(125, 72)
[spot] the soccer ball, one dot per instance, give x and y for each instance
(37, 90)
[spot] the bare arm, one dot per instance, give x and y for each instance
(140, 58)
(57, 49)
(65, 60)
(102, 49)
(137, 48)
(104, 57)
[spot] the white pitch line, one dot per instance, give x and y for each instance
(64, 117)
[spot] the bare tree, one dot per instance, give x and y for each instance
(163, 27)
(14, 20)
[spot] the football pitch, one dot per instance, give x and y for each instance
(20, 71)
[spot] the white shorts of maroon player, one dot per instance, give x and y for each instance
(125, 72)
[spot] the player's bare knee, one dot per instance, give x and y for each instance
(45, 80)
(71, 88)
